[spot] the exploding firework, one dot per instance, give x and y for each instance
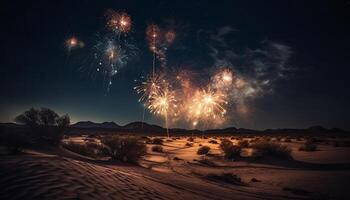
(159, 42)
(73, 43)
(206, 105)
(111, 55)
(153, 86)
(158, 97)
(118, 21)
(163, 104)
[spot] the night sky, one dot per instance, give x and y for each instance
(309, 83)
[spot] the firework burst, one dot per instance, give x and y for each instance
(206, 105)
(119, 22)
(153, 86)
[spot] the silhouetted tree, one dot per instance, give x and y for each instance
(45, 124)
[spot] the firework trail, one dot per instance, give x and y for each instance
(159, 41)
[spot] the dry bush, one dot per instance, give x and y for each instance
(189, 144)
(86, 149)
(297, 191)
(341, 143)
(230, 151)
(266, 148)
(243, 143)
(227, 178)
(14, 141)
(157, 148)
(124, 148)
(213, 141)
(158, 141)
(204, 150)
(309, 145)
(254, 180)
(177, 158)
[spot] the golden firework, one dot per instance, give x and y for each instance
(206, 105)
(118, 21)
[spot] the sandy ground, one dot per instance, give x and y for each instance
(64, 175)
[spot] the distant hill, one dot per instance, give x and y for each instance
(89, 124)
(88, 127)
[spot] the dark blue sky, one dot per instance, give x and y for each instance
(36, 69)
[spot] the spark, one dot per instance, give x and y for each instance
(73, 43)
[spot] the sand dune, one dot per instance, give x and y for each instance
(42, 176)
(61, 174)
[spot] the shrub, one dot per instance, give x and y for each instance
(254, 180)
(204, 150)
(157, 141)
(266, 148)
(227, 178)
(177, 158)
(287, 140)
(14, 141)
(243, 143)
(342, 143)
(86, 149)
(157, 148)
(213, 141)
(146, 140)
(188, 144)
(308, 146)
(230, 151)
(190, 139)
(124, 148)
(297, 191)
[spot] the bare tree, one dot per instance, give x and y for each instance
(45, 124)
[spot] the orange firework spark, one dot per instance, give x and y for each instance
(73, 43)
(117, 21)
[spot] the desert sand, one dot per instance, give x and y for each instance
(175, 173)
